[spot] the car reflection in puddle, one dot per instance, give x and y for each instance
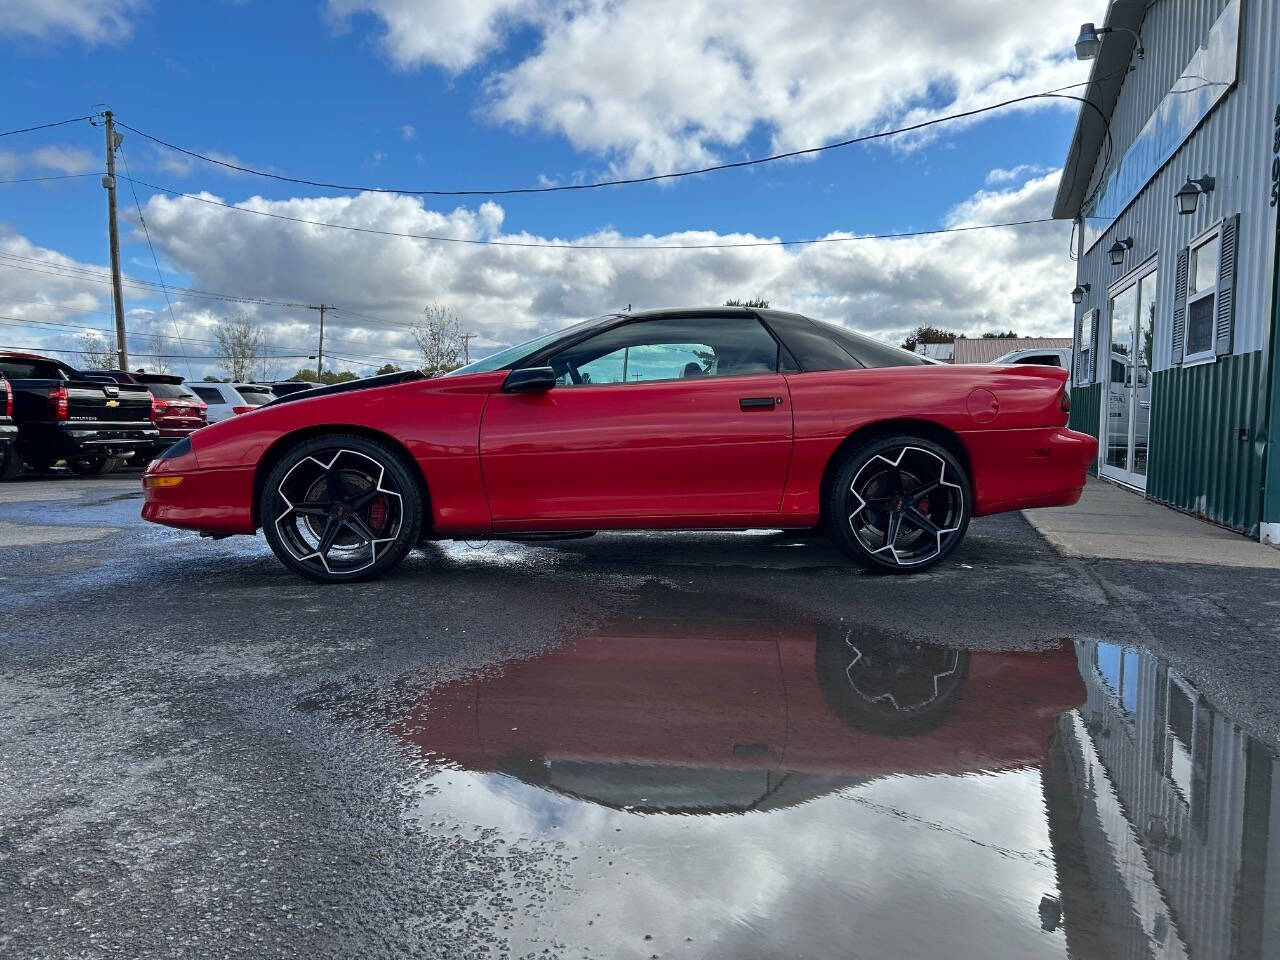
(741, 789)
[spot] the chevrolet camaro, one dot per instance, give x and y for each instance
(711, 418)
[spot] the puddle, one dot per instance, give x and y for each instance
(742, 789)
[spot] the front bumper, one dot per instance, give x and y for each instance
(211, 501)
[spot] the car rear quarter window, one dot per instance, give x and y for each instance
(255, 398)
(811, 345)
(209, 394)
(871, 352)
(1041, 360)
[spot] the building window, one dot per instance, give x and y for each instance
(1202, 295)
(1084, 356)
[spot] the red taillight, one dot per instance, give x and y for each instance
(157, 409)
(59, 404)
(1066, 401)
(242, 409)
(8, 397)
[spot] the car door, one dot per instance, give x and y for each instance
(664, 419)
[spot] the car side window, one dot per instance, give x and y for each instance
(1041, 360)
(208, 394)
(680, 348)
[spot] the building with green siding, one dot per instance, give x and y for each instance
(1172, 182)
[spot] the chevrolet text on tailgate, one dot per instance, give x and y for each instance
(60, 415)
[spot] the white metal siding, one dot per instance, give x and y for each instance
(1233, 145)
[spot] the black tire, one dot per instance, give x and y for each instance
(10, 462)
(325, 506)
(899, 504)
(93, 466)
(889, 686)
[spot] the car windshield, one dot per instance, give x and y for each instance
(168, 391)
(503, 358)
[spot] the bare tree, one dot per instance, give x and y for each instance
(95, 352)
(160, 363)
(439, 338)
(241, 344)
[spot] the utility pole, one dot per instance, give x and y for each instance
(109, 181)
(466, 347)
(322, 307)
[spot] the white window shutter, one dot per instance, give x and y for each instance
(1094, 323)
(1178, 339)
(1225, 309)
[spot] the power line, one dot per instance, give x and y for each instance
(45, 126)
(652, 178)
(61, 176)
(594, 246)
(153, 356)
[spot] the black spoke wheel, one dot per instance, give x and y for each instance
(899, 504)
(341, 509)
(883, 684)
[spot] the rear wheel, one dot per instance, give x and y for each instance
(899, 504)
(93, 466)
(341, 509)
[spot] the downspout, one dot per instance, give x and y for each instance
(1269, 518)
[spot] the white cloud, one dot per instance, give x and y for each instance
(65, 159)
(1021, 172)
(970, 282)
(408, 132)
(659, 84)
(92, 21)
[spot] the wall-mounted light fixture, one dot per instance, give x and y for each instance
(1077, 295)
(1188, 195)
(1090, 40)
(1118, 250)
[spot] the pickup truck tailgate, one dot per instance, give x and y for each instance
(107, 402)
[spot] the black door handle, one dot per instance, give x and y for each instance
(755, 403)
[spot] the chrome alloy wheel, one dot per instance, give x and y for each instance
(338, 515)
(906, 510)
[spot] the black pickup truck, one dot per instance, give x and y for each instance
(10, 463)
(62, 416)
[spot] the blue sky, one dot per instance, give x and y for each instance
(331, 92)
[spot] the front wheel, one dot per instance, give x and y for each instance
(899, 504)
(340, 509)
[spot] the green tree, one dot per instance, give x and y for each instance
(1010, 335)
(387, 368)
(928, 335)
(757, 303)
(308, 375)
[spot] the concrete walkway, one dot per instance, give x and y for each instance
(1113, 523)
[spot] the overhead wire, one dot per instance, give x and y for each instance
(60, 176)
(46, 126)
(626, 181)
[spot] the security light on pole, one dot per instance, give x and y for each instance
(1188, 195)
(1090, 40)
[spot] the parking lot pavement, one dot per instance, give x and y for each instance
(683, 745)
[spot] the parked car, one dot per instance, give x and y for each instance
(725, 418)
(175, 410)
(10, 462)
(63, 416)
(1042, 356)
(284, 387)
(226, 400)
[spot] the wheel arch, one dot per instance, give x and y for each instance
(281, 445)
(904, 426)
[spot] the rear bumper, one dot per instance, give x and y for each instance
(1023, 469)
(53, 441)
(8, 431)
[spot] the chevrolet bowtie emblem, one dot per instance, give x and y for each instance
(113, 403)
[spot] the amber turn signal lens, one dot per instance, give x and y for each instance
(151, 480)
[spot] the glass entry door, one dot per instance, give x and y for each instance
(1126, 415)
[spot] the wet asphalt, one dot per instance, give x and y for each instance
(608, 747)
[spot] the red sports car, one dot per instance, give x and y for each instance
(715, 418)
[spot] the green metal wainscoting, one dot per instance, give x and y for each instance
(1086, 411)
(1199, 459)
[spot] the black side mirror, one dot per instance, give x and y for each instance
(529, 380)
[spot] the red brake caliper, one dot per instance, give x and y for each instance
(378, 514)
